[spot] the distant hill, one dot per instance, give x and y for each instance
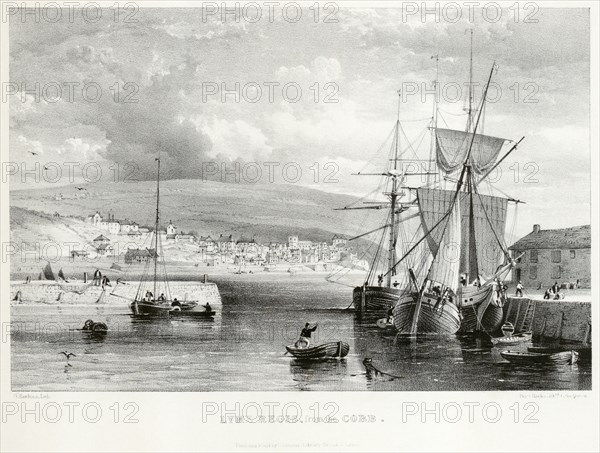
(268, 212)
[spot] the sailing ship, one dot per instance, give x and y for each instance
(464, 230)
(148, 302)
(378, 298)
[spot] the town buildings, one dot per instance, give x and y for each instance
(557, 255)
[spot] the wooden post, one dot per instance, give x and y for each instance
(518, 312)
(543, 328)
(558, 334)
(588, 333)
(205, 278)
(85, 277)
(363, 296)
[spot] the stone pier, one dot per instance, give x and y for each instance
(49, 292)
(553, 319)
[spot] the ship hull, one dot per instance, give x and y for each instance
(441, 320)
(473, 300)
(376, 298)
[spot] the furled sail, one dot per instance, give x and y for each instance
(435, 203)
(452, 147)
(445, 266)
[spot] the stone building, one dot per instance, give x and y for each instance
(548, 256)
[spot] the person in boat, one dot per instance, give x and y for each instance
(396, 284)
(477, 282)
(380, 279)
(207, 307)
(175, 303)
(304, 340)
(436, 290)
(149, 296)
(463, 280)
(519, 292)
(162, 297)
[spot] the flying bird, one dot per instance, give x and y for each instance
(80, 188)
(33, 153)
(68, 355)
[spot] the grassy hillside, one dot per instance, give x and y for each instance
(268, 212)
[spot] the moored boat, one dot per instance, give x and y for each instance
(512, 339)
(559, 358)
(584, 350)
(433, 317)
(334, 349)
(146, 302)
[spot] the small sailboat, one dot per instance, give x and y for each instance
(147, 301)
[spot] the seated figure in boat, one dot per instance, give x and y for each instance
(149, 296)
(304, 340)
(207, 307)
(162, 297)
(463, 280)
(175, 303)
(477, 282)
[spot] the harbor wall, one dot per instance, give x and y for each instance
(553, 319)
(81, 293)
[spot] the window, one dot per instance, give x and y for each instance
(533, 256)
(572, 254)
(555, 272)
(516, 255)
(533, 273)
(556, 256)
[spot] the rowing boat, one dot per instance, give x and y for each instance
(559, 358)
(334, 349)
(584, 351)
(512, 339)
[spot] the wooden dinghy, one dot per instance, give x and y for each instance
(334, 349)
(584, 351)
(512, 339)
(559, 358)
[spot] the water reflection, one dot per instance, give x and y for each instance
(322, 374)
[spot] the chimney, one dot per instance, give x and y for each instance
(536, 228)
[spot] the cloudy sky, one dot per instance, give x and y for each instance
(175, 64)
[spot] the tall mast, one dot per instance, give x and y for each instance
(156, 225)
(470, 110)
(393, 196)
(434, 116)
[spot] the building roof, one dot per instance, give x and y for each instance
(577, 237)
(132, 253)
(101, 238)
(104, 247)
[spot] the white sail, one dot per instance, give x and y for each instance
(452, 147)
(434, 203)
(446, 264)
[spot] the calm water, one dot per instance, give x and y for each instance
(243, 348)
